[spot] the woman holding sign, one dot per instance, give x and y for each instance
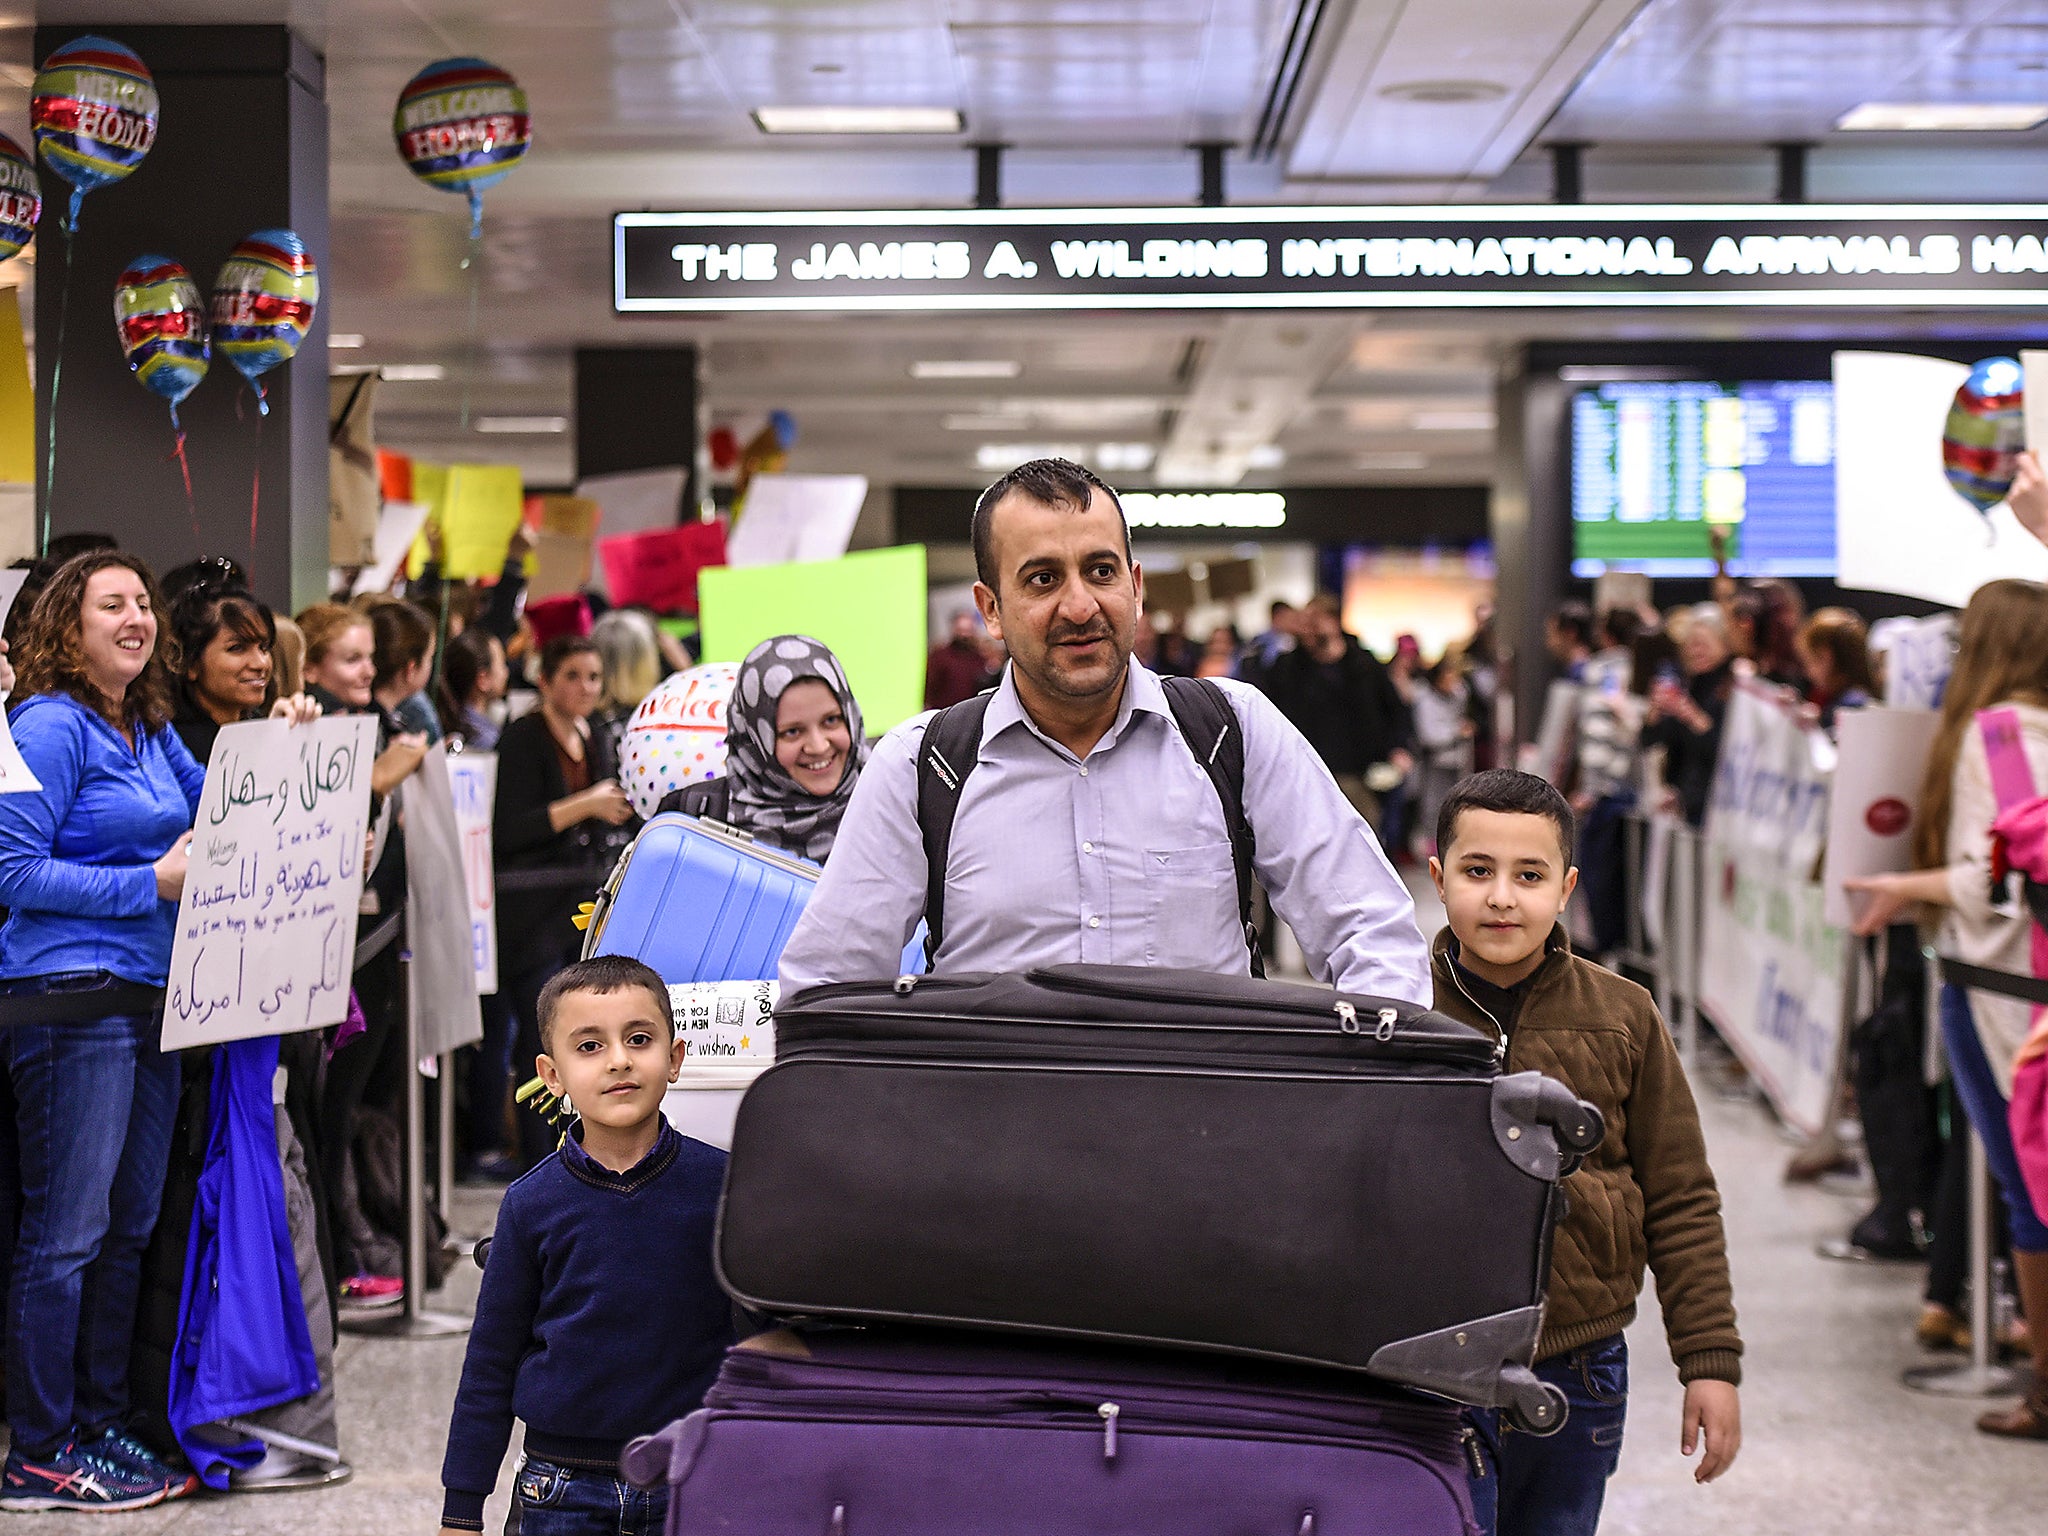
(91, 871)
(1990, 752)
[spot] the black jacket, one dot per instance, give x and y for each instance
(1349, 710)
(1690, 757)
(529, 781)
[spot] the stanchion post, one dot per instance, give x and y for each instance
(1982, 1376)
(1632, 880)
(1685, 940)
(414, 1320)
(444, 1172)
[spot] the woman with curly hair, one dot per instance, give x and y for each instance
(91, 870)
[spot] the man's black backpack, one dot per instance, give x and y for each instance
(952, 746)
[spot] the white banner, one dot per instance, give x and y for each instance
(442, 992)
(267, 928)
(1770, 963)
(473, 776)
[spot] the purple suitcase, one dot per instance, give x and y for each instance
(870, 1434)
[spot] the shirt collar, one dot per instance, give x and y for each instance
(1143, 691)
(587, 1168)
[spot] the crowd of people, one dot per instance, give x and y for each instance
(120, 685)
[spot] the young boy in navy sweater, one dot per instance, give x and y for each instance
(600, 1319)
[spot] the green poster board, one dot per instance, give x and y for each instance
(869, 607)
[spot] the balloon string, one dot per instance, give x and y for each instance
(474, 265)
(185, 469)
(57, 374)
(255, 484)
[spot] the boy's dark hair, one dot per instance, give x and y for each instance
(1512, 793)
(1049, 482)
(604, 974)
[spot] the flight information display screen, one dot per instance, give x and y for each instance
(1657, 466)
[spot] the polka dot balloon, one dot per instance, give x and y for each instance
(677, 735)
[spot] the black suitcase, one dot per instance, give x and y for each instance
(1150, 1157)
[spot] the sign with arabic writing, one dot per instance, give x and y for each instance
(267, 927)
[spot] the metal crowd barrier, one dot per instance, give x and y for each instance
(1672, 964)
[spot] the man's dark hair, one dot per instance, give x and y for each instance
(1512, 793)
(1620, 626)
(1576, 620)
(69, 546)
(604, 974)
(1049, 482)
(1280, 606)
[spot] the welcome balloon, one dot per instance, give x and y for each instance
(677, 735)
(462, 125)
(162, 323)
(1985, 430)
(94, 114)
(21, 198)
(263, 303)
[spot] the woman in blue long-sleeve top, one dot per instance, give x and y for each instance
(91, 870)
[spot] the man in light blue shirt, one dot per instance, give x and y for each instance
(1087, 830)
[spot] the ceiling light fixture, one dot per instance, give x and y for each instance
(858, 119)
(1392, 461)
(344, 339)
(522, 424)
(413, 373)
(967, 368)
(1444, 93)
(1452, 421)
(1110, 458)
(1943, 117)
(1266, 456)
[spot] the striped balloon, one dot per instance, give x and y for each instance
(1985, 430)
(263, 301)
(94, 113)
(21, 198)
(162, 324)
(461, 125)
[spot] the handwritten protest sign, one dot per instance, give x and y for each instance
(442, 983)
(15, 777)
(473, 776)
(267, 927)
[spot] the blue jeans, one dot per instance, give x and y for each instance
(552, 1500)
(1990, 1115)
(94, 1105)
(1554, 1485)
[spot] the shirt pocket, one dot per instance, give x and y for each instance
(1190, 906)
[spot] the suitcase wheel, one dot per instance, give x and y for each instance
(1534, 1407)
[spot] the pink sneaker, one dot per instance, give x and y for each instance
(373, 1290)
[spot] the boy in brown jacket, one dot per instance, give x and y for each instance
(1645, 1195)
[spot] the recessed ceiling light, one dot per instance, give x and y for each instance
(345, 339)
(1452, 421)
(1124, 456)
(522, 424)
(1444, 92)
(1392, 461)
(858, 119)
(413, 373)
(965, 422)
(967, 368)
(1266, 456)
(1943, 117)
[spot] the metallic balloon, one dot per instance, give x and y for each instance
(21, 198)
(94, 113)
(162, 324)
(1985, 430)
(263, 301)
(461, 125)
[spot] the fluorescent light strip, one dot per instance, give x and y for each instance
(413, 373)
(858, 119)
(1452, 421)
(522, 424)
(1943, 117)
(347, 340)
(968, 368)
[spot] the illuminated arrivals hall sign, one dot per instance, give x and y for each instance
(1303, 258)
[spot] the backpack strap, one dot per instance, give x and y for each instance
(1210, 727)
(951, 748)
(2012, 777)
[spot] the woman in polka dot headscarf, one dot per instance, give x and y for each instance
(793, 746)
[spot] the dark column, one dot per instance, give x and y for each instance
(1791, 172)
(1211, 195)
(988, 175)
(636, 408)
(1567, 173)
(241, 146)
(1532, 527)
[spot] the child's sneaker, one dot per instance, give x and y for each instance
(118, 1446)
(373, 1290)
(76, 1478)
